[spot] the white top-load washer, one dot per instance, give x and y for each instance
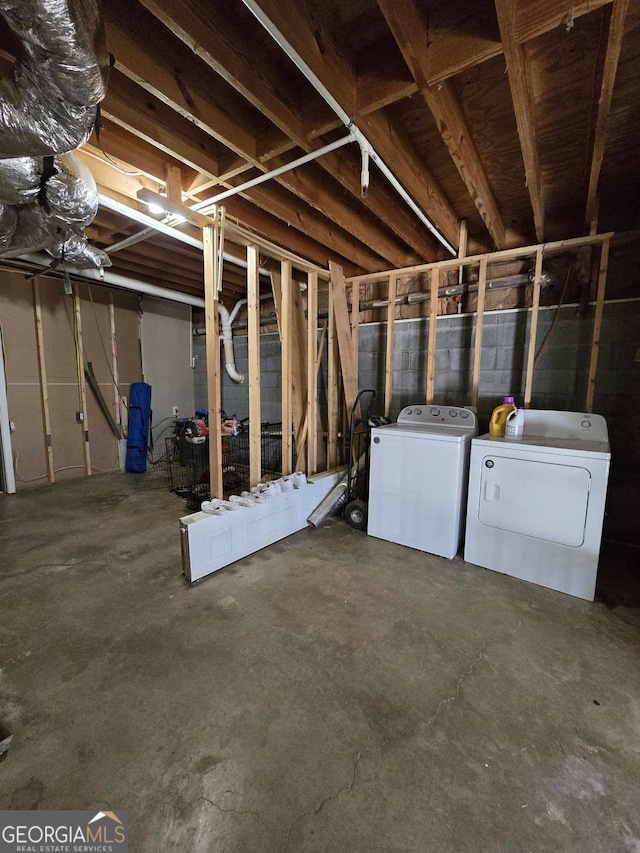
(536, 503)
(418, 477)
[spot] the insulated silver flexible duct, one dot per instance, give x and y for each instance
(48, 107)
(48, 104)
(54, 217)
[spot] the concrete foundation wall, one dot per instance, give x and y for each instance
(560, 379)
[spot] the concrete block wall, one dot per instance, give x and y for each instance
(560, 379)
(235, 396)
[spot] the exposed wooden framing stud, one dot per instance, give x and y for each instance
(286, 339)
(597, 324)
(355, 321)
(82, 391)
(312, 374)
(44, 393)
(477, 351)
(212, 323)
(333, 370)
(343, 334)
(520, 84)
(117, 415)
(391, 327)
(298, 374)
(612, 55)
(436, 276)
(463, 239)
(533, 330)
(173, 183)
(493, 257)
(253, 332)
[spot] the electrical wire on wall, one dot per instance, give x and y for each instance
(547, 337)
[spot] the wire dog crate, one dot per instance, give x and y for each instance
(183, 467)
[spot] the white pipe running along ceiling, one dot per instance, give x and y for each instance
(137, 215)
(365, 146)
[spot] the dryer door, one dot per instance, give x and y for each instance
(544, 500)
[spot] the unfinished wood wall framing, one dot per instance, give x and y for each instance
(253, 345)
(43, 366)
(437, 273)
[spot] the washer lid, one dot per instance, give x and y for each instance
(432, 432)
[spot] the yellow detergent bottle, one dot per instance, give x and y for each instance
(498, 422)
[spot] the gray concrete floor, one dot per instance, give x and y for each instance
(331, 693)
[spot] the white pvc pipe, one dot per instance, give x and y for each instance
(203, 206)
(227, 342)
(137, 215)
(315, 81)
(155, 225)
(112, 279)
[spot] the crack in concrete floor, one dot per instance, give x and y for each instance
(403, 734)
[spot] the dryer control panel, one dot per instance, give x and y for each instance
(459, 416)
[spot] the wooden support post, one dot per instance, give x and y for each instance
(433, 323)
(355, 321)
(332, 386)
(212, 325)
(597, 324)
(298, 374)
(117, 413)
(82, 391)
(312, 374)
(253, 311)
(44, 392)
(343, 335)
(477, 352)
(173, 183)
(535, 306)
(285, 336)
(464, 235)
(391, 327)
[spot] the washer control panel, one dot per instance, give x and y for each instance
(460, 416)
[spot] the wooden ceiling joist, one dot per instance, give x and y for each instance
(612, 55)
(520, 85)
(201, 98)
(410, 31)
(224, 44)
(316, 47)
(186, 87)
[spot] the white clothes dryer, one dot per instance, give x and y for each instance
(536, 504)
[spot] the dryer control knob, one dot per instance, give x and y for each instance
(464, 413)
(376, 440)
(453, 413)
(409, 412)
(586, 424)
(434, 412)
(418, 411)
(489, 463)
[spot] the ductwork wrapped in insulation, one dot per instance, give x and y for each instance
(20, 179)
(65, 204)
(71, 194)
(48, 104)
(48, 107)
(78, 252)
(8, 222)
